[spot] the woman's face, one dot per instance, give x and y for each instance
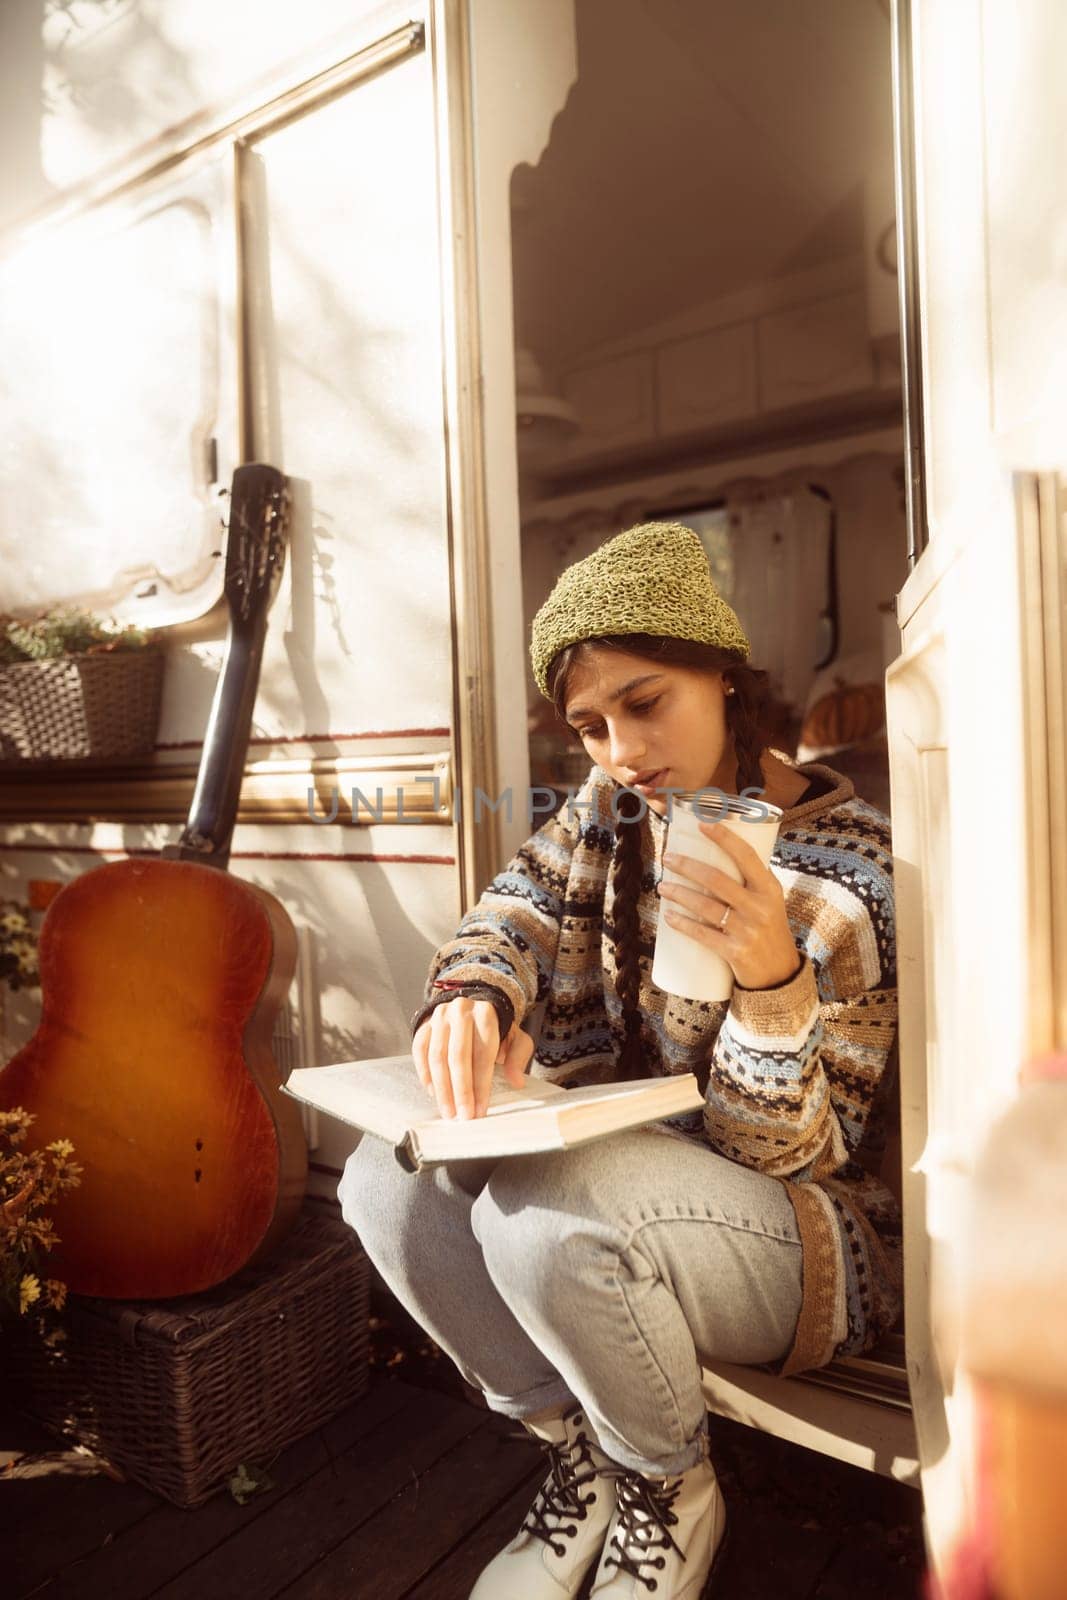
(652, 725)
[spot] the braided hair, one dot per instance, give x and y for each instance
(747, 715)
(626, 882)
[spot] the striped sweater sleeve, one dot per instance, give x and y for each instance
(509, 939)
(793, 1077)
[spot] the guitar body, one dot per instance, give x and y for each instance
(161, 982)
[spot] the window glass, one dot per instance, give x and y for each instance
(770, 557)
(109, 402)
(713, 525)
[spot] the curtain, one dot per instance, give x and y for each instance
(769, 554)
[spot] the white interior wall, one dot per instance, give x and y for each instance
(772, 212)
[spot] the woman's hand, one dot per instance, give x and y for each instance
(457, 1048)
(757, 940)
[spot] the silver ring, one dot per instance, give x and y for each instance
(722, 924)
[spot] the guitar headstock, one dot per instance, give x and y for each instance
(255, 545)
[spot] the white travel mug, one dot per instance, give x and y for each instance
(681, 965)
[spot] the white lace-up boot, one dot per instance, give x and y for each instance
(664, 1536)
(564, 1529)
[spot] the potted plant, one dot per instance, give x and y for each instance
(73, 685)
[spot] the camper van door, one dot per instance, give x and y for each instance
(976, 747)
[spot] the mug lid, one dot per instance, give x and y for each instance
(713, 805)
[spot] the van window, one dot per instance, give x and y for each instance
(771, 555)
(109, 399)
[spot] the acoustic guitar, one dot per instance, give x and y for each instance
(161, 980)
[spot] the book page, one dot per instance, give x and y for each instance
(384, 1096)
(622, 1090)
(570, 1117)
(534, 1092)
(540, 1092)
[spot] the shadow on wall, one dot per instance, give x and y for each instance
(43, 63)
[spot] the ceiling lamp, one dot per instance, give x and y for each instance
(543, 420)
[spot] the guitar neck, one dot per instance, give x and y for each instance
(254, 557)
(209, 829)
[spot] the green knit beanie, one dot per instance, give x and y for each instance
(651, 579)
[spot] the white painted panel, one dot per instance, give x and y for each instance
(1025, 45)
(708, 379)
(613, 400)
(966, 719)
(875, 1437)
(965, 954)
(346, 379)
(374, 927)
(953, 266)
(348, 346)
(814, 350)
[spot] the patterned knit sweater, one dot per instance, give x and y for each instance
(793, 1076)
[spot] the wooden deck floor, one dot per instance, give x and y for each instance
(405, 1496)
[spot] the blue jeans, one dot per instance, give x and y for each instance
(602, 1275)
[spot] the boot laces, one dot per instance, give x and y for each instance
(560, 1505)
(641, 1534)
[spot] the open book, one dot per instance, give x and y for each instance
(385, 1097)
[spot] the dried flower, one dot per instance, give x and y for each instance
(18, 946)
(30, 1181)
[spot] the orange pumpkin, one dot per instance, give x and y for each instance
(849, 713)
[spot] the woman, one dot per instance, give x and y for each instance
(582, 1291)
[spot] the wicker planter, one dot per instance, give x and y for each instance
(72, 707)
(178, 1393)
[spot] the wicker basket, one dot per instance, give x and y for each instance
(178, 1393)
(105, 704)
